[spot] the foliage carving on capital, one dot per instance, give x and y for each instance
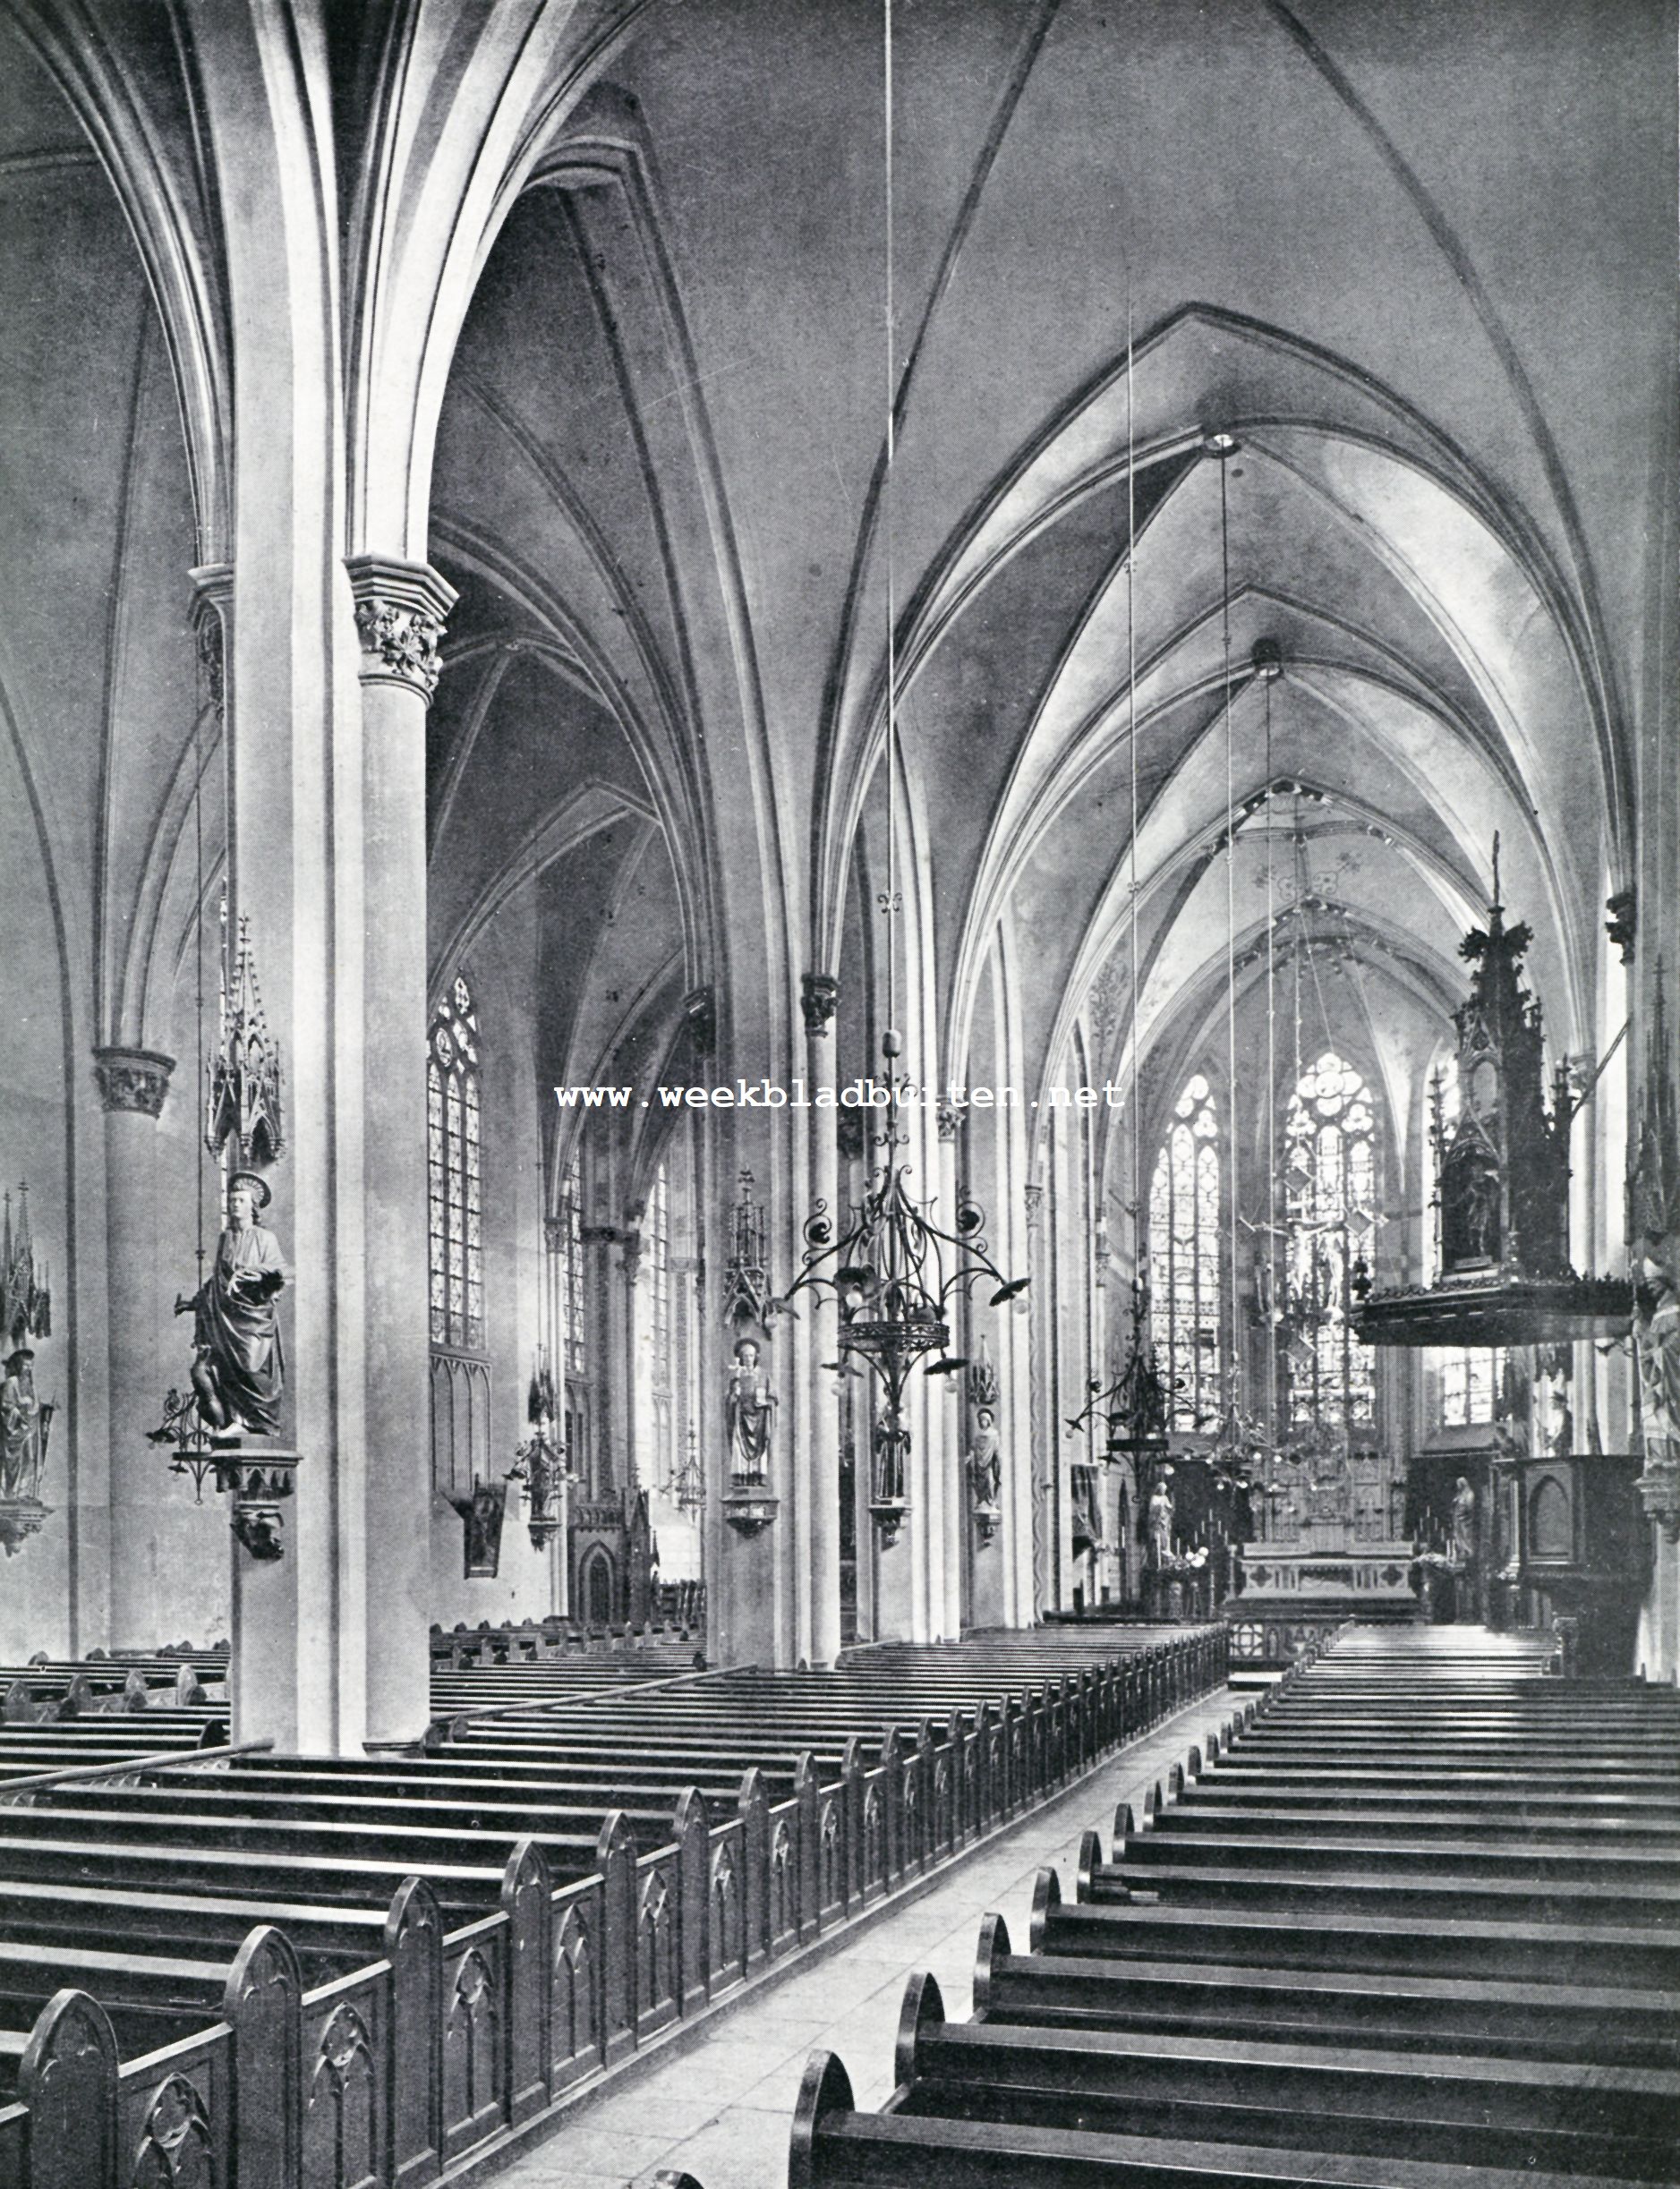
(400, 612)
(136, 1080)
(403, 641)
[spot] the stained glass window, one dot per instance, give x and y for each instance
(1330, 1202)
(1184, 1260)
(659, 1306)
(573, 1317)
(452, 1172)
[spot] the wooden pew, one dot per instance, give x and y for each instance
(1449, 2108)
(1392, 2009)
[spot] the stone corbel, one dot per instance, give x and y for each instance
(819, 998)
(401, 608)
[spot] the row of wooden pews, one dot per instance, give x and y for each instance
(543, 1641)
(1414, 1923)
(381, 1964)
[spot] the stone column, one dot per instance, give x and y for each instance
(948, 1423)
(820, 999)
(155, 1530)
(399, 613)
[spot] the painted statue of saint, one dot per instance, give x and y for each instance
(749, 1408)
(239, 1368)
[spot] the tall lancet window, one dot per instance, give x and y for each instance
(452, 1166)
(1330, 1199)
(658, 1235)
(1184, 1260)
(573, 1307)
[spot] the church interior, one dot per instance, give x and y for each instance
(843, 1035)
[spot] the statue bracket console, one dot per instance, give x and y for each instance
(260, 1478)
(889, 1514)
(261, 1481)
(749, 1511)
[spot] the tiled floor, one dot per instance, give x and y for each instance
(720, 2108)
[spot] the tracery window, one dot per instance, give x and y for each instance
(659, 1309)
(1472, 1377)
(1330, 1203)
(572, 1319)
(456, 1249)
(1184, 1260)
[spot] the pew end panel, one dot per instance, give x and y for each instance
(993, 1946)
(691, 1830)
(67, 2079)
(826, 2089)
(921, 2013)
(1047, 1900)
(615, 1859)
(263, 2007)
(527, 1901)
(1090, 1861)
(414, 1945)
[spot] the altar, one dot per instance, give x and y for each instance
(1286, 1597)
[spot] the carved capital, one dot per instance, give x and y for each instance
(400, 612)
(819, 998)
(1658, 1490)
(1033, 1199)
(212, 620)
(134, 1079)
(948, 1117)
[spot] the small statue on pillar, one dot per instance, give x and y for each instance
(25, 1426)
(985, 1468)
(749, 1409)
(239, 1364)
(986, 1473)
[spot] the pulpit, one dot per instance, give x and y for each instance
(1571, 1541)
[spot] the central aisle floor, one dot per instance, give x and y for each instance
(720, 2106)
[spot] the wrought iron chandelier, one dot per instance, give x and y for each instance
(688, 1481)
(895, 1276)
(1135, 1404)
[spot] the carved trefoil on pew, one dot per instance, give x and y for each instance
(175, 2146)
